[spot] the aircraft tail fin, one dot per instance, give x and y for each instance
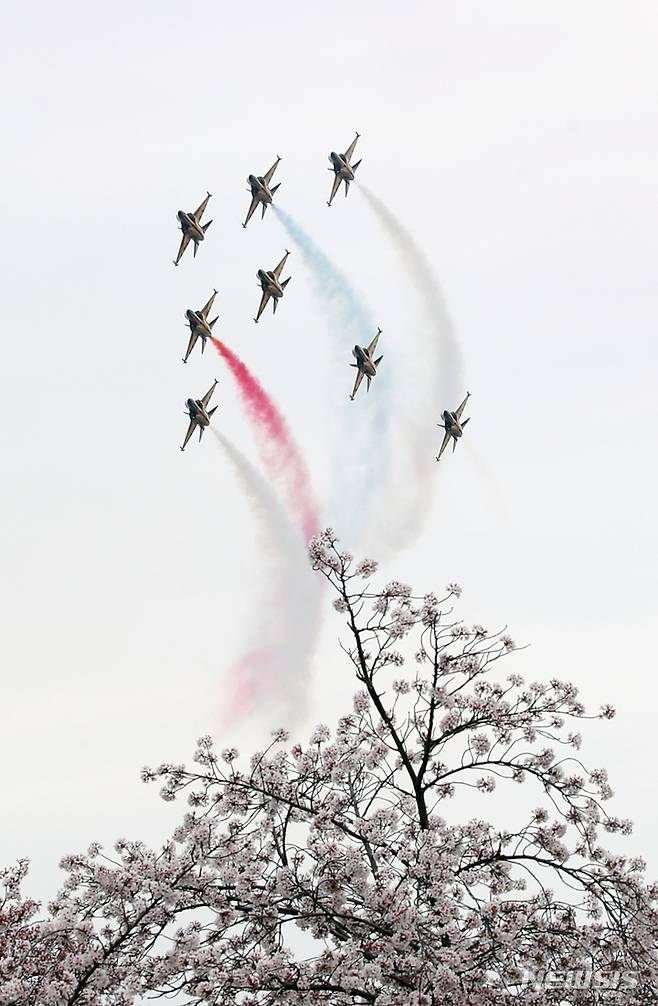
(285, 282)
(369, 380)
(211, 323)
(378, 360)
(206, 226)
(464, 423)
(355, 166)
(275, 301)
(211, 411)
(274, 188)
(203, 346)
(347, 187)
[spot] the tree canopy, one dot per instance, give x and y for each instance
(344, 871)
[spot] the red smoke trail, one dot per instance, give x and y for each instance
(280, 452)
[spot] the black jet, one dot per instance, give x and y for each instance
(200, 415)
(192, 228)
(259, 186)
(200, 327)
(365, 364)
(342, 169)
(270, 283)
(453, 424)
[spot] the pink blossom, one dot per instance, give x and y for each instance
(351, 839)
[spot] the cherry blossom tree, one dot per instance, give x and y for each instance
(347, 871)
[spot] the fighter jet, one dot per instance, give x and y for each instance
(200, 327)
(453, 426)
(259, 186)
(192, 228)
(271, 287)
(197, 410)
(366, 366)
(343, 170)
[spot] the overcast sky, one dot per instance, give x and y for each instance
(518, 143)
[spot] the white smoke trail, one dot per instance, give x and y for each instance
(274, 672)
(361, 454)
(428, 380)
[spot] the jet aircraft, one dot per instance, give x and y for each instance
(197, 410)
(271, 286)
(453, 426)
(366, 366)
(192, 228)
(259, 186)
(200, 327)
(342, 169)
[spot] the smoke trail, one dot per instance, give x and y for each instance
(429, 379)
(349, 319)
(279, 450)
(274, 672)
(359, 467)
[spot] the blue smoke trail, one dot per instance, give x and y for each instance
(361, 456)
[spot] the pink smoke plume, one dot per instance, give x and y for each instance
(280, 453)
(244, 683)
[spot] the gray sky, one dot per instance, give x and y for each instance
(518, 142)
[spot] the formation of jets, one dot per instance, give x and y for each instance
(273, 288)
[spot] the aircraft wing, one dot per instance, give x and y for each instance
(184, 242)
(191, 344)
(446, 441)
(267, 177)
(277, 270)
(350, 150)
(334, 188)
(461, 408)
(373, 344)
(205, 310)
(198, 213)
(250, 213)
(359, 378)
(263, 304)
(190, 431)
(208, 395)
